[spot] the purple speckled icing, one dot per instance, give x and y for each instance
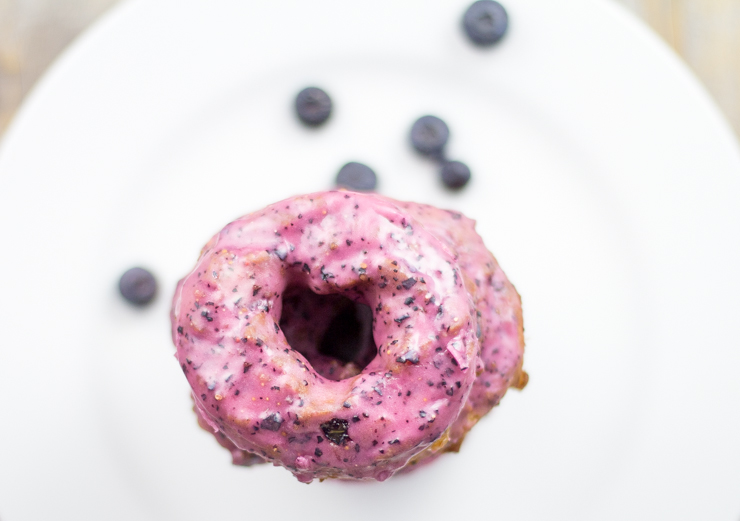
(446, 322)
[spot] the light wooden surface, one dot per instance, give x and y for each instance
(706, 33)
(32, 34)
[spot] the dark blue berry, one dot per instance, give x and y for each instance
(455, 174)
(336, 431)
(485, 22)
(357, 176)
(272, 422)
(429, 135)
(313, 106)
(138, 286)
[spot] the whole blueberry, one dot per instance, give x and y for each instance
(138, 286)
(485, 22)
(313, 106)
(429, 135)
(357, 176)
(455, 174)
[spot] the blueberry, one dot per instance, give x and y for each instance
(455, 174)
(138, 286)
(272, 422)
(357, 176)
(485, 22)
(336, 431)
(429, 135)
(313, 106)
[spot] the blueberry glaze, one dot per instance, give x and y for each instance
(446, 322)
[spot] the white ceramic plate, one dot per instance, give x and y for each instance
(605, 182)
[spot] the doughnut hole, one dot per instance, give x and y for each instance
(334, 333)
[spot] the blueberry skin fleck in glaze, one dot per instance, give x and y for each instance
(454, 174)
(138, 286)
(436, 372)
(358, 177)
(485, 22)
(313, 106)
(336, 431)
(429, 135)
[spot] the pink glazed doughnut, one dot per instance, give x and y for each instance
(346, 335)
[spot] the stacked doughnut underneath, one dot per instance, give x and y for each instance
(346, 335)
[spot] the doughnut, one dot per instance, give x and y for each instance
(346, 335)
